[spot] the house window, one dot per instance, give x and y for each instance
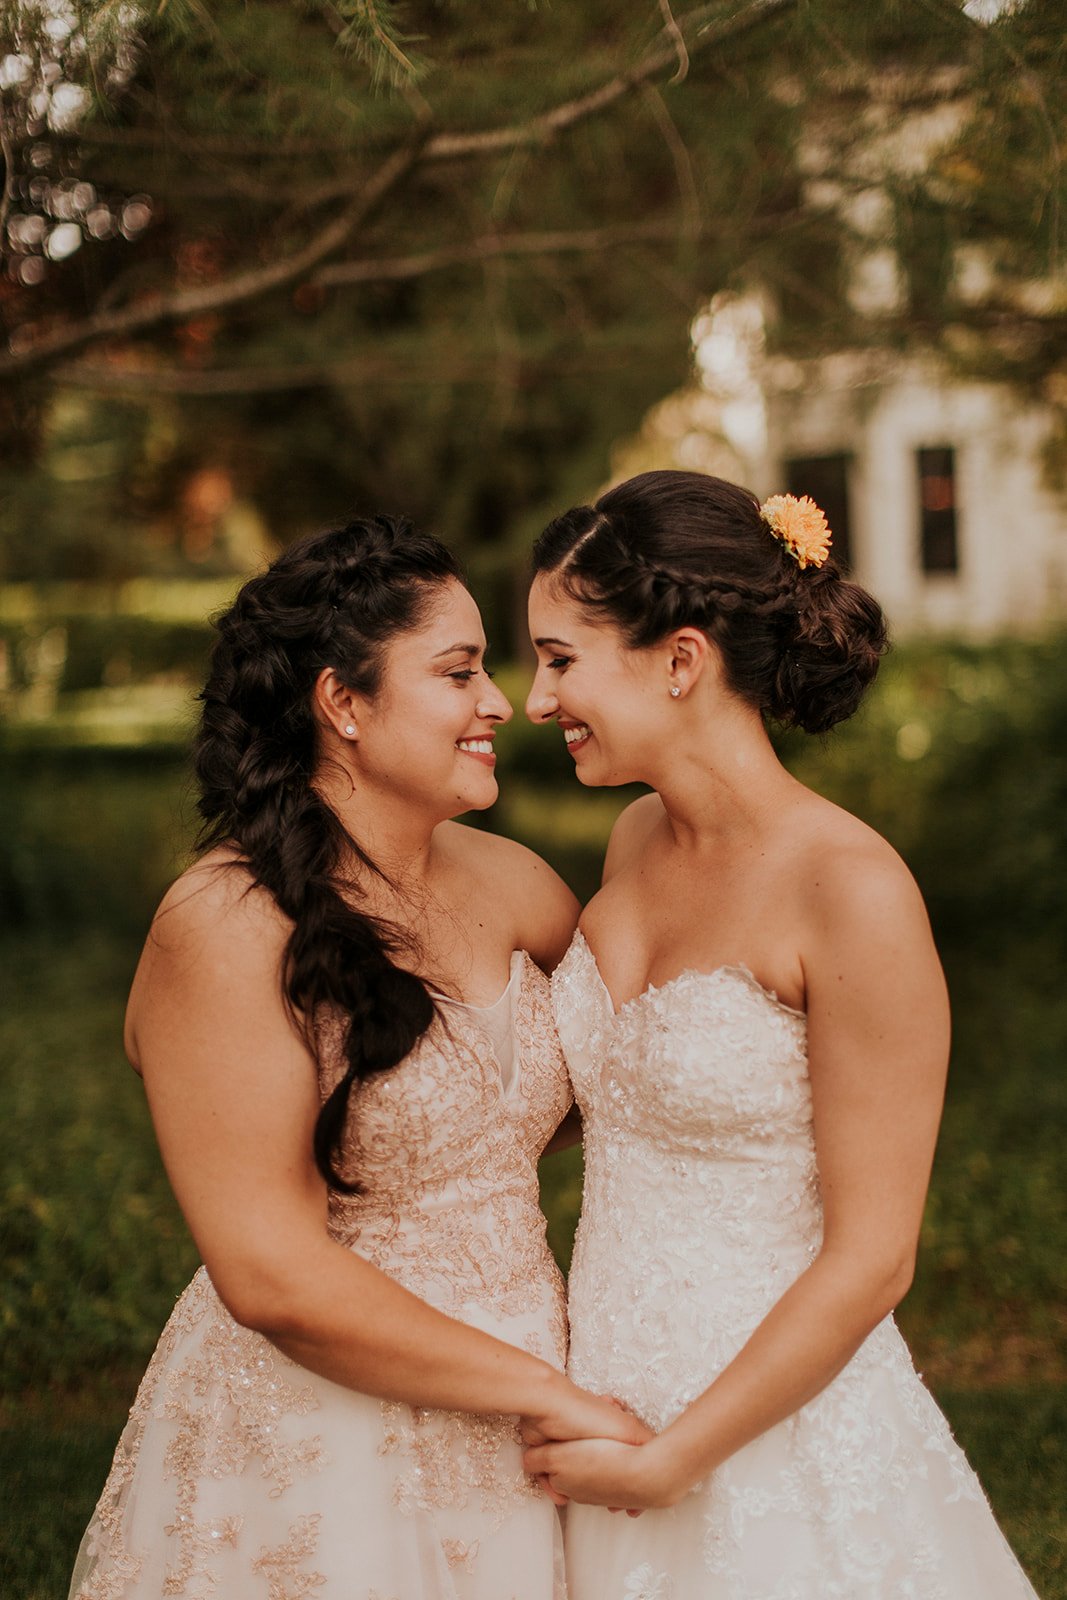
(825, 479)
(937, 510)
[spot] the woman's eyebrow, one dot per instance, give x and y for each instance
(546, 643)
(458, 649)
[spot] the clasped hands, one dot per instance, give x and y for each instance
(619, 1467)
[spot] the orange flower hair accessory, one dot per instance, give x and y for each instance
(800, 525)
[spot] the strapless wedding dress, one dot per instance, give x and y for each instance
(242, 1476)
(701, 1207)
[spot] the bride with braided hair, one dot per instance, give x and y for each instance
(343, 1026)
(757, 1030)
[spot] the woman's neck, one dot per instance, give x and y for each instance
(725, 786)
(397, 838)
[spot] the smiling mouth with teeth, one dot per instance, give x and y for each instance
(480, 749)
(576, 735)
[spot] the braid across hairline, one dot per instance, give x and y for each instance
(671, 549)
(698, 598)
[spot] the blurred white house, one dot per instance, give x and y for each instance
(936, 488)
(947, 495)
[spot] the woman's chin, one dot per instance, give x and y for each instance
(593, 777)
(487, 795)
(593, 774)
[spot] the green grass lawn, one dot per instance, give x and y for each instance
(94, 1253)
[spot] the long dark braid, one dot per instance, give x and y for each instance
(333, 599)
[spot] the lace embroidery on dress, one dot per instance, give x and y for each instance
(644, 1584)
(281, 1566)
(701, 1207)
(440, 1196)
(448, 1455)
(223, 1402)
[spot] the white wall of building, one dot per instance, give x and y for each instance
(1011, 524)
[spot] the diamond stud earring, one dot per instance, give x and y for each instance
(675, 691)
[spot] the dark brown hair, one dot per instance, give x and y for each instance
(333, 599)
(668, 550)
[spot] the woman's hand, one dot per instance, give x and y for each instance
(573, 1413)
(605, 1472)
(580, 1415)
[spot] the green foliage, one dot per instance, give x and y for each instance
(91, 837)
(53, 1468)
(103, 651)
(958, 758)
(93, 1246)
(469, 387)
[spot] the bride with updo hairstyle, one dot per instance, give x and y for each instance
(756, 1027)
(344, 1029)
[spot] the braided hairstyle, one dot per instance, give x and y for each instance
(334, 599)
(669, 550)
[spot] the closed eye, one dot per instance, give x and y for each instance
(558, 663)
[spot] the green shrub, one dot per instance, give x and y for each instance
(91, 837)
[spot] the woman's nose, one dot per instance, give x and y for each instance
(541, 702)
(494, 704)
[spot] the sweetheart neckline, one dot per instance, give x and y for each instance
(727, 968)
(516, 963)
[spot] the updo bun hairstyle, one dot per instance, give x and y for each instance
(668, 550)
(334, 599)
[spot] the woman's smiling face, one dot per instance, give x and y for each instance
(611, 702)
(425, 738)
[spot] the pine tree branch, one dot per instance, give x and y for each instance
(489, 248)
(587, 241)
(708, 26)
(469, 368)
(159, 309)
(7, 150)
(683, 161)
(679, 41)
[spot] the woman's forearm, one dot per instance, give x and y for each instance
(812, 1332)
(341, 1317)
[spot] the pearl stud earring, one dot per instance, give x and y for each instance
(350, 729)
(675, 691)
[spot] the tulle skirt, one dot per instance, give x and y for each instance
(862, 1495)
(241, 1476)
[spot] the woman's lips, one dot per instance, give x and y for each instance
(479, 750)
(576, 735)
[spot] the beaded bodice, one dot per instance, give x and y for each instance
(701, 1199)
(445, 1151)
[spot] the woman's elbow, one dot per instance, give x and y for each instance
(890, 1280)
(262, 1299)
(875, 1281)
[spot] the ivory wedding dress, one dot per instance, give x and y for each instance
(242, 1476)
(701, 1207)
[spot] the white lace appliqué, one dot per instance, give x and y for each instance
(701, 1207)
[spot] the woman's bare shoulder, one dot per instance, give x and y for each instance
(217, 897)
(215, 930)
(852, 882)
(543, 910)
